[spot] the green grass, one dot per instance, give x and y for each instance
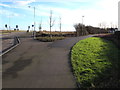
(49, 39)
(96, 63)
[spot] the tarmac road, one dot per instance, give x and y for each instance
(12, 34)
(35, 64)
(7, 40)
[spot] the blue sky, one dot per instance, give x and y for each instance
(16, 12)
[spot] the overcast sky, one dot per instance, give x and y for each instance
(17, 12)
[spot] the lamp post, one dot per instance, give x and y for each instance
(34, 32)
(9, 22)
(82, 25)
(60, 26)
(82, 19)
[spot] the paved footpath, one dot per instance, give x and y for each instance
(6, 43)
(35, 64)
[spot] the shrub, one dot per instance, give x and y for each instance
(49, 39)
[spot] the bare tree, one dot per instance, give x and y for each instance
(40, 25)
(51, 21)
(104, 25)
(99, 24)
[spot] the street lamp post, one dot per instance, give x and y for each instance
(82, 19)
(9, 22)
(82, 24)
(60, 26)
(34, 32)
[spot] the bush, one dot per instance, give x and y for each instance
(85, 30)
(80, 29)
(117, 34)
(49, 39)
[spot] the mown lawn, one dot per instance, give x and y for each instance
(96, 63)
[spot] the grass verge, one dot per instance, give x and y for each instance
(96, 63)
(49, 39)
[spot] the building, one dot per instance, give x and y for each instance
(119, 16)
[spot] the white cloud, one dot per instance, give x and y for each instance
(109, 10)
(105, 11)
(50, 0)
(23, 2)
(8, 13)
(4, 5)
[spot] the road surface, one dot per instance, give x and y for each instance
(35, 64)
(12, 34)
(7, 40)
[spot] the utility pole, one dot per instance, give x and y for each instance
(82, 24)
(60, 25)
(9, 22)
(82, 19)
(34, 32)
(34, 23)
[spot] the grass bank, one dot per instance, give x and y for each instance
(96, 63)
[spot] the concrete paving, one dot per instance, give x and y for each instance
(35, 64)
(6, 43)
